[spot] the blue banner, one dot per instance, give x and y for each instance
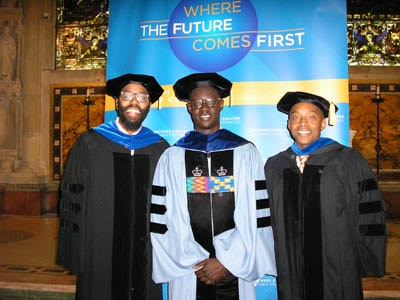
(266, 48)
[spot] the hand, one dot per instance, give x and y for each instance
(210, 271)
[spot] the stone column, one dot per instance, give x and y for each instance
(11, 17)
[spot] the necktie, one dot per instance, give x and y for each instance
(301, 161)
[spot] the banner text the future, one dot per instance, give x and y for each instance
(213, 26)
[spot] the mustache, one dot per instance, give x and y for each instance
(130, 107)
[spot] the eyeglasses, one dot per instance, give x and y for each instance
(199, 103)
(128, 96)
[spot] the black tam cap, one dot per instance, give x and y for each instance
(115, 85)
(184, 86)
(328, 108)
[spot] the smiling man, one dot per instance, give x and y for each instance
(210, 221)
(105, 199)
(327, 211)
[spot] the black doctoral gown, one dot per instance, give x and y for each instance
(329, 224)
(104, 219)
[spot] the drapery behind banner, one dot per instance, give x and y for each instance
(265, 48)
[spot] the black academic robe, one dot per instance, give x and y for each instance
(329, 224)
(104, 219)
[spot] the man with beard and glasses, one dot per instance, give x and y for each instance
(105, 199)
(210, 222)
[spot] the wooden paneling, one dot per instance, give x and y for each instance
(22, 203)
(363, 119)
(28, 203)
(70, 119)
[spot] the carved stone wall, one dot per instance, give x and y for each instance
(11, 31)
(26, 111)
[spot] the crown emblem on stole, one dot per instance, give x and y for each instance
(221, 171)
(197, 172)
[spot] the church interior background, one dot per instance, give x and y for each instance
(52, 88)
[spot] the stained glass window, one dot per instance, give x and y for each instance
(82, 31)
(373, 33)
(373, 40)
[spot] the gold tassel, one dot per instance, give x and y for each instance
(332, 114)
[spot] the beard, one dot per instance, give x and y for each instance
(134, 124)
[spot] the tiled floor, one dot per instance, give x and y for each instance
(27, 260)
(387, 287)
(28, 269)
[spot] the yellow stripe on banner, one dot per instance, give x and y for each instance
(110, 103)
(262, 93)
(168, 99)
(259, 93)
